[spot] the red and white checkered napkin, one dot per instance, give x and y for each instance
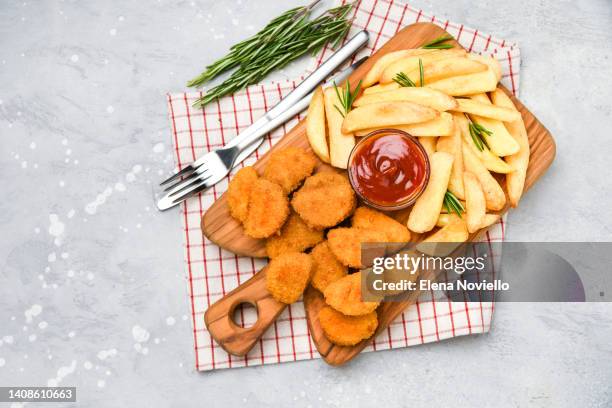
(212, 271)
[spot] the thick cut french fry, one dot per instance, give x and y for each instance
(452, 144)
(490, 219)
(500, 141)
(429, 144)
(386, 114)
(515, 182)
(423, 96)
(381, 88)
(316, 126)
(383, 62)
(411, 63)
(426, 210)
(463, 85)
(491, 62)
(446, 68)
(486, 110)
(441, 126)
(492, 162)
(494, 195)
(340, 143)
(446, 240)
(475, 202)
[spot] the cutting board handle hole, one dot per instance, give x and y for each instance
(244, 315)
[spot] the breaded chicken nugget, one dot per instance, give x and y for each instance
(347, 330)
(295, 236)
(238, 192)
(368, 218)
(289, 166)
(345, 243)
(324, 200)
(327, 268)
(267, 211)
(288, 275)
(344, 295)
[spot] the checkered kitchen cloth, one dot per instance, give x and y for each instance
(212, 272)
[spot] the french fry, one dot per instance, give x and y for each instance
(445, 219)
(486, 110)
(340, 143)
(411, 63)
(426, 210)
(491, 161)
(475, 202)
(446, 68)
(515, 182)
(429, 144)
(441, 126)
(490, 219)
(491, 62)
(386, 114)
(452, 144)
(383, 62)
(494, 195)
(316, 126)
(423, 96)
(500, 141)
(381, 88)
(463, 85)
(446, 240)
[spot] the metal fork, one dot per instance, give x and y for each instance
(215, 165)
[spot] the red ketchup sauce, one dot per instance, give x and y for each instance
(389, 169)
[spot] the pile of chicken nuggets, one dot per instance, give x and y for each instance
(313, 229)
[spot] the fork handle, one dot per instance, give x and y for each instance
(278, 113)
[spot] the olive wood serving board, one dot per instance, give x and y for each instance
(219, 227)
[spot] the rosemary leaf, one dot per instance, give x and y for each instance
(437, 44)
(403, 80)
(421, 73)
(452, 204)
(346, 97)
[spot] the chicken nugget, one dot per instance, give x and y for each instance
(324, 200)
(368, 218)
(347, 330)
(344, 295)
(295, 236)
(288, 275)
(345, 243)
(327, 268)
(267, 211)
(238, 192)
(289, 166)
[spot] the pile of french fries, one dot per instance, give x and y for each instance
(450, 91)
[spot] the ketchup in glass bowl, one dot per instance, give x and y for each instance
(388, 169)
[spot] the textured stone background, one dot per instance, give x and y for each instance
(92, 291)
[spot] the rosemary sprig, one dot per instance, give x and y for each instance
(346, 97)
(421, 72)
(437, 44)
(282, 41)
(402, 79)
(452, 204)
(478, 132)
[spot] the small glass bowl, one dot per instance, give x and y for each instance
(410, 200)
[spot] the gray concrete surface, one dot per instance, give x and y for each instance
(99, 300)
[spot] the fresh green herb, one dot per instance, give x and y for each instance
(282, 41)
(404, 80)
(346, 97)
(452, 204)
(478, 132)
(421, 72)
(437, 44)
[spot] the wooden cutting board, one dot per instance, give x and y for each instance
(219, 227)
